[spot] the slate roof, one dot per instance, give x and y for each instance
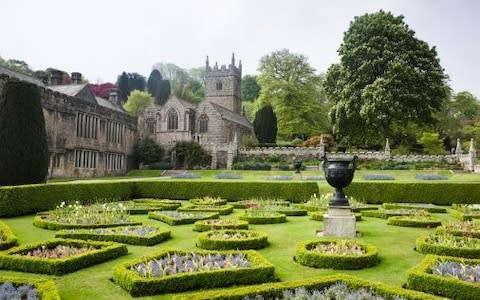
(231, 116)
(108, 104)
(21, 76)
(68, 89)
(185, 103)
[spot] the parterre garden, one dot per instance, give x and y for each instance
(191, 239)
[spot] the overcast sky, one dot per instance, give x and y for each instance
(102, 38)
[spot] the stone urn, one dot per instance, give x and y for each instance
(339, 174)
(297, 164)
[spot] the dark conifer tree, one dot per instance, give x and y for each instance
(265, 125)
(123, 88)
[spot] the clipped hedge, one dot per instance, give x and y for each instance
(318, 216)
(9, 239)
(46, 289)
(421, 206)
(475, 232)
(13, 260)
(424, 245)
(412, 221)
(40, 221)
(260, 271)
(221, 209)
(273, 218)
(183, 189)
(440, 193)
(247, 203)
(256, 240)
(212, 201)
(315, 259)
(274, 290)
(463, 216)
(29, 199)
(420, 278)
(385, 214)
(288, 210)
(92, 234)
(203, 225)
(157, 215)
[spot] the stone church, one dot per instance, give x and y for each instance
(217, 123)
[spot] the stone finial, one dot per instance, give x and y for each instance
(216, 66)
(233, 59)
(240, 65)
(207, 63)
(387, 149)
(472, 146)
(458, 148)
(321, 141)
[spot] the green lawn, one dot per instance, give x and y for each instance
(395, 245)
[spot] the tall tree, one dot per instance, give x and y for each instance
(24, 153)
(137, 102)
(127, 82)
(250, 88)
(265, 125)
(291, 86)
(158, 87)
(386, 78)
(185, 84)
(123, 87)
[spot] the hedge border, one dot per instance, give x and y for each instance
(274, 219)
(383, 214)
(88, 234)
(309, 207)
(331, 261)
(10, 238)
(260, 271)
(318, 216)
(275, 289)
(199, 201)
(257, 240)
(297, 212)
(460, 215)
(157, 215)
(420, 278)
(46, 288)
(404, 221)
(242, 203)
(40, 222)
(220, 209)
(423, 246)
(203, 226)
(108, 250)
(442, 229)
(434, 209)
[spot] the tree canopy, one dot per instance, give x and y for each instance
(187, 84)
(158, 87)
(265, 125)
(250, 88)
(127, 82)
(386, 78)
(147, 151)
(137, 102)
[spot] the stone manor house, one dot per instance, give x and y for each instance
(91, 136)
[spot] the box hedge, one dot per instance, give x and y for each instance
(255, 240)
(424, 245)
(158, 215)
(221, 209)
(412, 221)
(318, 216)
(271, 218)
(317, 259)
(46, 289)
(9, 239)
(156, 237)
(420, 278)
(260, 271)
(40, 221)
(274, 290)
(422, 206)
(204, 225)
(209, 201)
(288, 210)
(13, 260)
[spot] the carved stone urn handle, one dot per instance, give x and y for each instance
(325, 164)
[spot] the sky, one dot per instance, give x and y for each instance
(103, 38)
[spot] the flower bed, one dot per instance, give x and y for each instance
(177, 270)
(318, 215)
(179, 218)
(461, 228)
(263, 217)
(286, 210)
(430, 177)
(208, 201)
(135, 235)
(414, 221)
(144, 205)
(59, 256)
(386, 213)
(206, 225)
(232, 239)
(465, 212)
(276, 290)
(431, 208)
(445, 276)
(7, 238)
(220, 209)
(258, 203)
(27, 288)
(378, 177)
(228, 176)
(336, 254)
(449, 245)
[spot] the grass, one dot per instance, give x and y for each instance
(395, 246)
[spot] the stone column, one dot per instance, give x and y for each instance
(387, 152)
(458, 150)
(230, 156)
(214, 157)
(472, 156)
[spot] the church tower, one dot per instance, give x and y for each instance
(223, 85)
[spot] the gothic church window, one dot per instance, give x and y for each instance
(172, 120)
(151, 126)
(218, 85)
(203, 123)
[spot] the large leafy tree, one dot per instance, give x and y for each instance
(137, 102)
(386, 78)
(158, 87)
(290, 85)
(24, 153)
(250, 88)
(265, 125)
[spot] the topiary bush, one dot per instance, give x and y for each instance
(7, 238)
(231, 239)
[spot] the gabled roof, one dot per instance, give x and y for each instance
(108, 104)
(21, 76)
(185, 103)
(68, 89)
(229, 115)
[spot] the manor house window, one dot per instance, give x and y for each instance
(218, 85)
(172, 120)
(114, 132)
(87, 125)
(203, 123)
(114, 161)
(86, 159)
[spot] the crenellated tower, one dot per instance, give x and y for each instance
(223, 85)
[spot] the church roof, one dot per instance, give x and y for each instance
(21, 76)
(185, 103)
(108, 104)
(68, 89)
(231, 116)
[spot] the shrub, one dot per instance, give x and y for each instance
(46, 289)
(286, 210)
(385, 214)
(422, 206)
(208, 201)
(248, 165)
(24, 155)
(134, 235)
(465, 228)
(275, 290)
(16, 259)
(161, 165)
(421, 278)
(314, 141)
(7, 238)
(265, 125)
(263, 217)
(318, 259)
(232, 239)
(258, 203)
(221, 209)
(464, 212)
(449, 245)
(206, 225)
(143, 206)
(180, 218)
(147, 151)
(260, 270)
(414, 221)
(191, 154)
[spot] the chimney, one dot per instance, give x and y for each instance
(76, 78)
(56, 77)
(113, 97)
